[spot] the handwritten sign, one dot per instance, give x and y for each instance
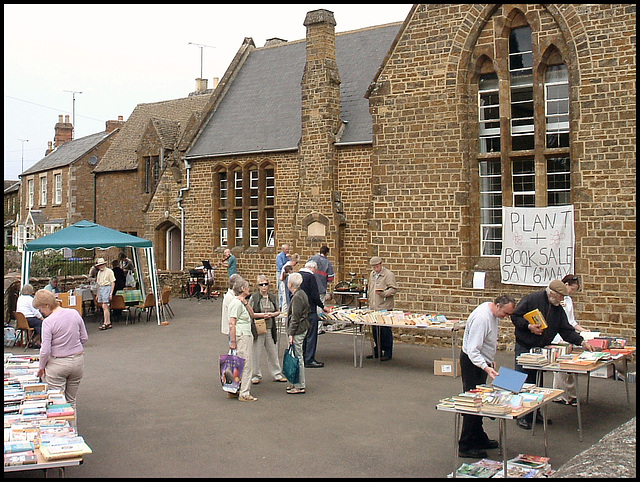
(537, 244)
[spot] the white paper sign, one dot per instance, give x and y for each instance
(537, 245)
(72, 300)
(478, 280)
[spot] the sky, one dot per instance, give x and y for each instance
(110, 58)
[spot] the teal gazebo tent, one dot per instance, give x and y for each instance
(88, 235)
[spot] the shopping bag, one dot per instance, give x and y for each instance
(130, 280)
(231, 367)
(291, 365)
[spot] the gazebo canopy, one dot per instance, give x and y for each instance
(88, 235)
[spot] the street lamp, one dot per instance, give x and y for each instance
(22, 166)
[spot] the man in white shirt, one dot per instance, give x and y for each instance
(479, 347)
(228, 297)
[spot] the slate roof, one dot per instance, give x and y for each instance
(11, 186)
(66, 153)
(262, 110)
(121, 155)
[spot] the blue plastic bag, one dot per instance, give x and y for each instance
(291, 365)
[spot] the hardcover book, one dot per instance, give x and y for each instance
(535, 317)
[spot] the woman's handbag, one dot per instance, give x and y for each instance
(231, 367)
(261, 326)
(291, 365)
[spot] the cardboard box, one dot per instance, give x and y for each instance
(445, 367)
(602, 372)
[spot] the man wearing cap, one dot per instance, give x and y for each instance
(382, 287)
(549, 302)
(106, 284)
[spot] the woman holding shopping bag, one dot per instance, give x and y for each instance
(297, 326)
(241, 338)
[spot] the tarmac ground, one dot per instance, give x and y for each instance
(151, 405)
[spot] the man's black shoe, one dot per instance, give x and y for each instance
(370, 357)
(523, 423)
(490, 444)
(472, 453)
(314, 364)
(385, 358)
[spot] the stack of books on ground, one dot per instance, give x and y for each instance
(482, 469)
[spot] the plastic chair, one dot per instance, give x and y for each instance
(22, 326)
(164, 300)
(148, 305)
(118, 303)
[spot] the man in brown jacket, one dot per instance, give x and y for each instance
(382, 287)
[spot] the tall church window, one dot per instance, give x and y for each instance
(517, 165)
(244, 200)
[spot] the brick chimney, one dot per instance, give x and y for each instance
(112, 125)
(317, 220)
(49, 149)
(64, 131)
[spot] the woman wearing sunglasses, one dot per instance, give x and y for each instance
(265, 307)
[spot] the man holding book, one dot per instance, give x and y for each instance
(529, 335)
(479, 347)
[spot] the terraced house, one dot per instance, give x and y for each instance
(412, 141)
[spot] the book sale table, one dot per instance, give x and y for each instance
(548, 394)
(586, 370)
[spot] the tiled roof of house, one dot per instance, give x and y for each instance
(121, 155)
(11, 186)
(261, 111)
(66, 153)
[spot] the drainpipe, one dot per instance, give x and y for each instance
(179, 200)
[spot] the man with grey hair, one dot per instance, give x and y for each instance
(310, 287)
(382, 288)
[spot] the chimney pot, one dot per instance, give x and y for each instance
(66, 119)
(60, 118)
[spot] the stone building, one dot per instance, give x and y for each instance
(59, 190)
(141, 163)
(11, 198)
(467, 109)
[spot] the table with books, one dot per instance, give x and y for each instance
(40, 426)
(578, 362)
(503, 405)
(362, 320)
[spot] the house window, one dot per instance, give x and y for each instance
(43, 191)
(519, 166)
(30, 193)
(57, 180)
(151, 173)
(249, 203)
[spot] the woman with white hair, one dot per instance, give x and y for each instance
(33, 316)
(297, 326)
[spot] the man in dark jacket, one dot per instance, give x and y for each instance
(310, 287)
(528, 336)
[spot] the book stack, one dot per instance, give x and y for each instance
(532, 359)
(469, 402)
(19, 453)
(530, 462)
(483, 468)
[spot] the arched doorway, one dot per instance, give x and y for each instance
(173, 248)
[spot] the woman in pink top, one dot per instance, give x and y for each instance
(62, 345)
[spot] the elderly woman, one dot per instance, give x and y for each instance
(33, 316)
(265, 307)
(62, 350)
(241, 337)
(297, 326)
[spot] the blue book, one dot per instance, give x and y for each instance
(509, 379)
